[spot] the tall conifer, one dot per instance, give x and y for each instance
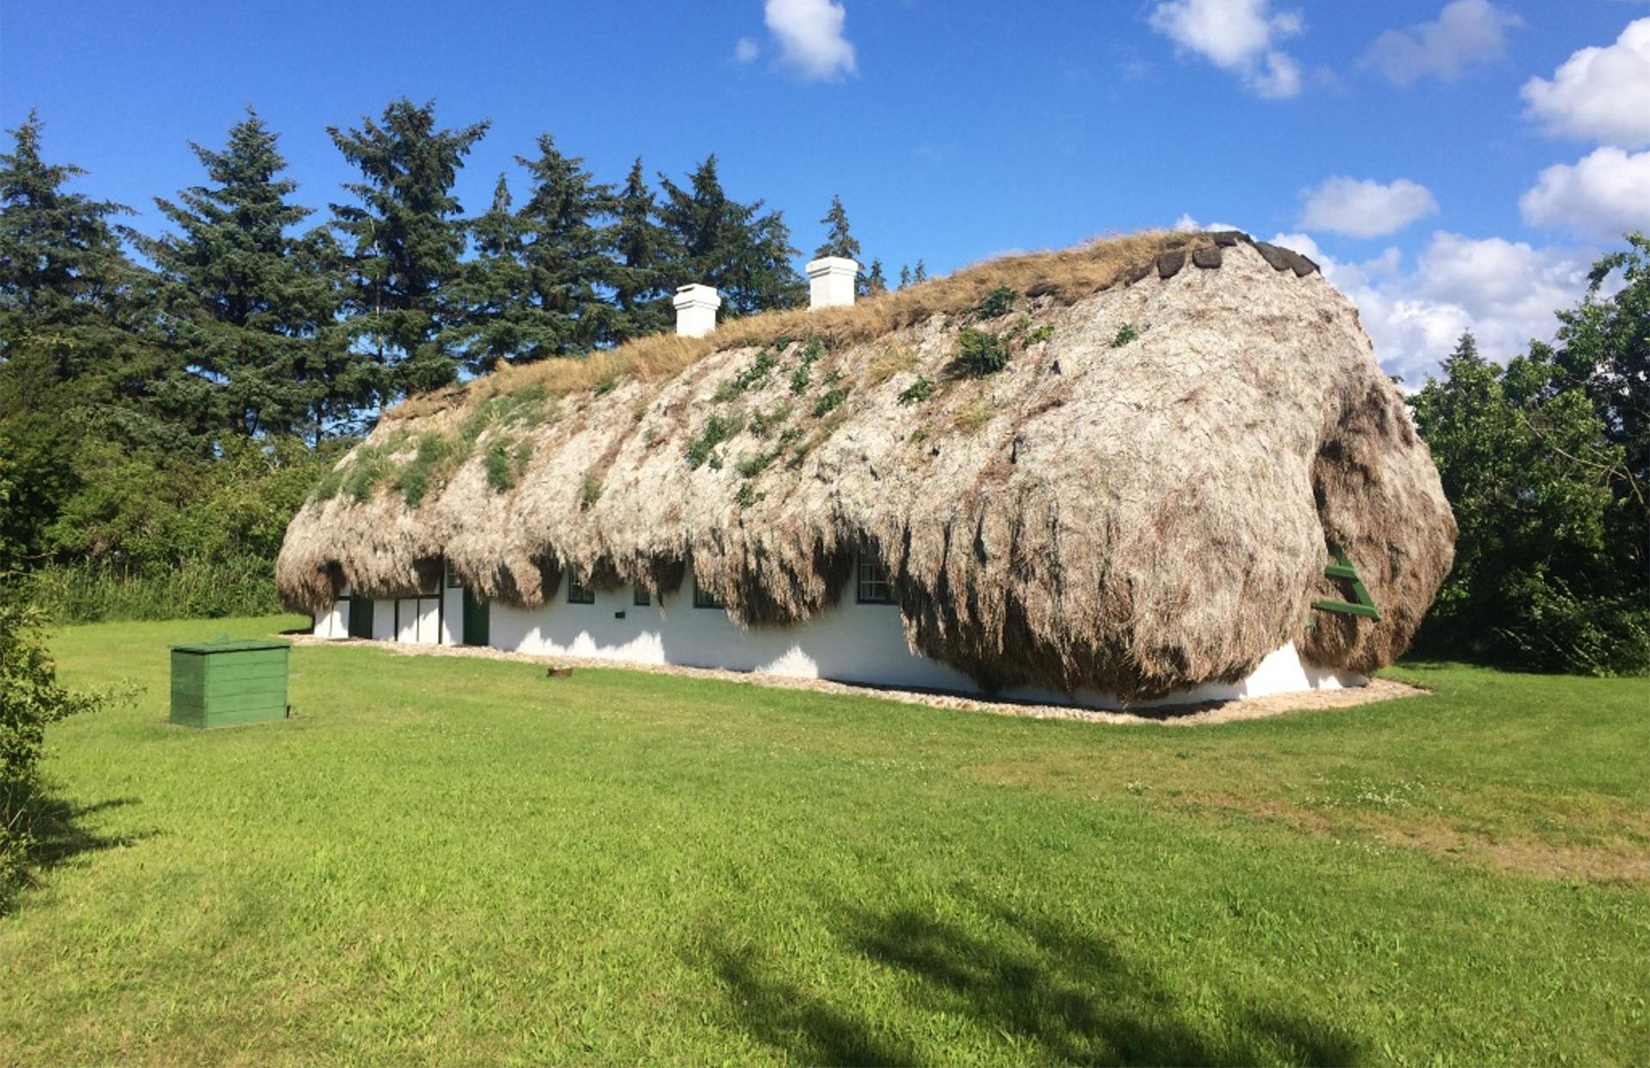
(639, 248)
(250, 309)
(405, 238)
(720, 242)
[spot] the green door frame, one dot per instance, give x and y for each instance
(477, 620)
(360, 616)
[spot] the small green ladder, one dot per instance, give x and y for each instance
(1362, 605)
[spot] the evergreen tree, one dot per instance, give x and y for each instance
(720, 242)
(62, 273)
(838, 240)
(904, 276)
(874, 281)
(77, 343)
(920, 274)
(248, 309)
(640, 248)
(404, 238)
(491, 295)
(564, 250)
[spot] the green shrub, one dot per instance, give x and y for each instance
(329, 485)
(590, 492)
(500, 476)
(717, 429)
(801, 377)
(1041, 334)
(979, 353)
(997, 303)
(830, 401)
(1125, 334)
(417, 477)
(917, 392)
(750, 376)
(747, 495)
(30, 698)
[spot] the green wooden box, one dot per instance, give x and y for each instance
(221, 684)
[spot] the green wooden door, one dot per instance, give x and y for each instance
(475, 619)
(360, 617)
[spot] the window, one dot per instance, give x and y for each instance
(579, 593)
(703, 598)
(642, 597)
(453, 581)
(873, 586)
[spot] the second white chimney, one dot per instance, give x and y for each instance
(696, 309)
(831, 282)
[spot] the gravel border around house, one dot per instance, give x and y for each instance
(1191, 715)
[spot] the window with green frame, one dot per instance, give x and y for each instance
(873, 586)
(703, 598)
(641, 598)
(579, 593)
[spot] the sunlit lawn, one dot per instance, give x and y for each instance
(460, 861)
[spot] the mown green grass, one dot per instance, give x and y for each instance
(448, 860)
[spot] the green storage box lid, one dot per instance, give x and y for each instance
(242, 646)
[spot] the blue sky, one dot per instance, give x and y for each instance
(1452, 165)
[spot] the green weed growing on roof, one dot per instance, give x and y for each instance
(750, 376)
(999, 301)
(717, 429)
(917, 392)
(978, 354)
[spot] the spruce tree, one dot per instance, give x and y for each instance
(490, 298)
(920, 274)
(248, 309)
(404, 238)
(61, 265)
(639, 248)
(720, 242)
(564, 251)
(838, 240)
(77, 340)
(904, 276)
(874, 281)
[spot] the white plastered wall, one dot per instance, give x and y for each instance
(861, 643)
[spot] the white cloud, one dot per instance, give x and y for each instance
(1365, 208)
(1603, 195)
(1236, 35)
(1466, 33)
(1599, 94)
(1505, 292)
(1189, 225)
(745, 49)
(810, 36)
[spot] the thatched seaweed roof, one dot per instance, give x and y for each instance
(1140, 498)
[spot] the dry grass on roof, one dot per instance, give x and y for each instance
(1067, 275)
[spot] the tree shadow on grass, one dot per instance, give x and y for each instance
(1057, 994)
(57, 833)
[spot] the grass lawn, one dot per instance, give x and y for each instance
(460, 861)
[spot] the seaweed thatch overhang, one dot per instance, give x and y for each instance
(1142, 497)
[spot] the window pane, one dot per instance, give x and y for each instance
(873, 586)
(642, 596)
(702, 598)
(578, 593)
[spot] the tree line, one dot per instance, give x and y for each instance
(166, 402)
(155, 390)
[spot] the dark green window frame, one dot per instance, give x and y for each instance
(871, 582)
(579, 593)
(703, 598)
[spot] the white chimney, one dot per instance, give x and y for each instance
(696, 309)
(831, 282)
